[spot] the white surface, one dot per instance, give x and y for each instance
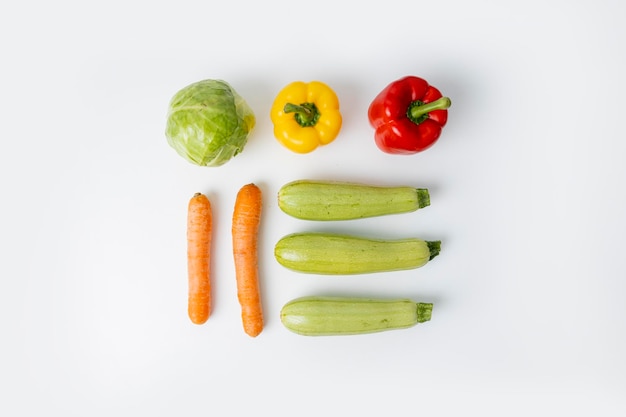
(527, 196)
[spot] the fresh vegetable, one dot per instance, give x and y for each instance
(199, 225)
(208, 123)
(245, 227)
(335, 200)
(337, 254)
(329, 316)
(305, 116)
(408, 116)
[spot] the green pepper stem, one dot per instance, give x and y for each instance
(424, 108)
(423, 198)
(306, 114)
(434, 247)
(294, 108)
(424, 312)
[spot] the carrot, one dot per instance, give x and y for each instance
(199, 225)
(245, 227)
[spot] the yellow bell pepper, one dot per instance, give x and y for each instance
(305, 116)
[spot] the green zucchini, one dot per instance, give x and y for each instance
(339, 254)
(335, 200)
(327, 316)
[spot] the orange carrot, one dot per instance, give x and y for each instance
(246, 219)
(199, 225)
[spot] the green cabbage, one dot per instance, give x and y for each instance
(208, 123)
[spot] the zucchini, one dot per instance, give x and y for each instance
(339, 254)
(335, 200)
(327, 316)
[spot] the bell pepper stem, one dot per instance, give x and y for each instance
(425, 108)
(306, 114)
(294, 108)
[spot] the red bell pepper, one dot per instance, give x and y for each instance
(408, 116)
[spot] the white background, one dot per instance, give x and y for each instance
(527, 193)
